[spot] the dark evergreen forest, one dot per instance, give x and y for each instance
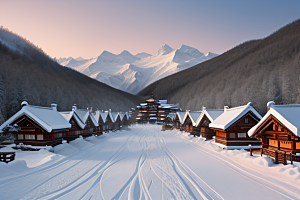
(27, 73)
(256, 71)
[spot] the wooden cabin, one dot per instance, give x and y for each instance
(108, 121)
(77, 125)
(39, 125)
(189, 121)
(232, 126)
(117, 120)
(100, 122)
(124, 118)
(178, 120)
(88, 118)
(207, 116)
(279, 132)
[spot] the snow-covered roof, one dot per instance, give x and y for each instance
(69, 114)
(115, 116)
(48, 118)
(84, 114)
(194, 116)
(288, 115)
(231, 115)
(97, 115)
(163, 101)
(211, 114)
(180, 116)
(104, 116)
(169, 106)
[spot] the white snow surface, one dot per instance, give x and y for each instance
(142, 162)
(133, 73)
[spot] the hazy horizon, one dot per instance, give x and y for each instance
(86, 29)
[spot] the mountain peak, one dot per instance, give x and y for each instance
(164, 49)
(191, 51)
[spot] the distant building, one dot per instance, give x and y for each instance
(154, 110)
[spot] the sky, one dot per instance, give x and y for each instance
(64, 28)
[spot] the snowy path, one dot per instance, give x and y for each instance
(145, 163)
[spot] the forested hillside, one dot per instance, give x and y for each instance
(256, 71)
(27, 73)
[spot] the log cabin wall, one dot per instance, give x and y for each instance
(33, 134)
(204, 129)
(275, 136)
(236, 134)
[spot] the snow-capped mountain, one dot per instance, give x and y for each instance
(131, 73)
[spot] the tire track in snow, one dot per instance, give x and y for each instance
(249, 175)
(202, 188)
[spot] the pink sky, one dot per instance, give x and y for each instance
(86, 28)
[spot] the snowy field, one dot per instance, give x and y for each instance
(142, 162)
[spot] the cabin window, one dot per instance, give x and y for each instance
(242, 135)
(232, 135)
(39, 137)
(29, 137)
(235, 128)
(246, 120)
(20, 137)
(59, 134)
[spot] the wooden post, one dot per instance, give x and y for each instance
(250, 151)
(291, 157)
(285, 162)
(276, 157)
(261, 152)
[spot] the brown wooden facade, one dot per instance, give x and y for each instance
(236, 134)
(278, 141)
(32, 133)
(205, 131)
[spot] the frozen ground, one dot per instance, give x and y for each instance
(142, 162)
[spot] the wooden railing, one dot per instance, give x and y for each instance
(280, 157)
(7, 156)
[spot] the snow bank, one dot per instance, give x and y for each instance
(92, 139)
(65, 149)
(263, 161)
(80, 143)
(12, 167)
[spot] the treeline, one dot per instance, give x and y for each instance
(30, 74)
(256, 71)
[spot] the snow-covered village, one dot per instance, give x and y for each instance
(150, 100)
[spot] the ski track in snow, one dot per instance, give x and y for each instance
(139, 163)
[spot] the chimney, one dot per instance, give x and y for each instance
(74, 108)
(203, 108)
(269, 104)
(91, 109)
(54, 105)
(225, 108)
(187, 111)
(24, 103)
(109, 110)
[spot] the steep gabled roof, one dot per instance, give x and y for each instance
(193, 116)
(115, 116)
(48, 118)
(97, 116)
(288, 115)
(231, 115)
(180, 116)
(84, 114)
(68, 116)
(211, 114)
